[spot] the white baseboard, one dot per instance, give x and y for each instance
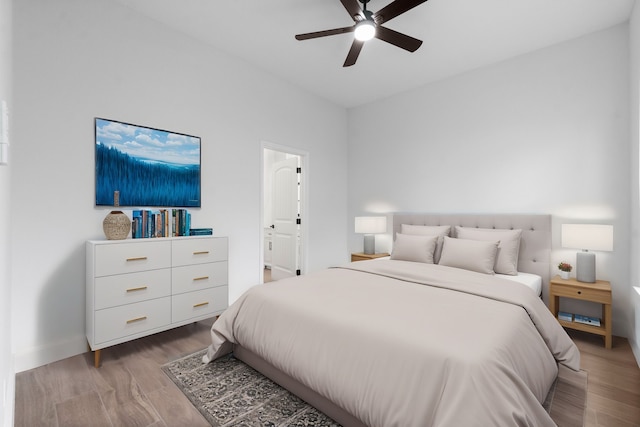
(634, 336)
(8, 398)
(636, 351)
(42, 355)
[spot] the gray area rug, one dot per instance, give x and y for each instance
(227, 392)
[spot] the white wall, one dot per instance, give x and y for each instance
(6, 362)
(546, 132)
(634, 52)
(78, 59)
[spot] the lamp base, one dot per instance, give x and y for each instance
(586, 267)
(369, 244)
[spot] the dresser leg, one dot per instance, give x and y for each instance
(96, 358)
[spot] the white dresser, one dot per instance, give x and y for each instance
(137, 287)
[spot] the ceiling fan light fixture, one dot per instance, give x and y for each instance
(365, 30)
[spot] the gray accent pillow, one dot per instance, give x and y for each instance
(414, 248)
(474, 255)
(508, 249)
(429, 230)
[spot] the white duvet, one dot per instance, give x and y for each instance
(404, 344)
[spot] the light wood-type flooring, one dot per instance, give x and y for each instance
(131, 390)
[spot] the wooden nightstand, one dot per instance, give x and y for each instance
(599, 292)
(363, 257)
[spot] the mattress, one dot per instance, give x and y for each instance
(532, 281)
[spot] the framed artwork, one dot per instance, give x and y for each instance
(147, 166)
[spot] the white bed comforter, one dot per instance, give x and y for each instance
(404, 344)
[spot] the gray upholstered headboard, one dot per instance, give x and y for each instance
(535, 243)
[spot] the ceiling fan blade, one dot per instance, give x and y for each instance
(352, 56)
(398, 39)
(325, 33)
(353, 7)
(394, 9)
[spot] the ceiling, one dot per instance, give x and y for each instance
(458, 35)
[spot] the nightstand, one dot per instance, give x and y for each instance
(598, 292)
(363, 257)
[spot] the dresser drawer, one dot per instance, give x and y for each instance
(131, 257)
(130, 288)
(193, 250)
(196, 277)
(130, 319)
(199, 303)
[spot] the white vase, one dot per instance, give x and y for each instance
(564, 274)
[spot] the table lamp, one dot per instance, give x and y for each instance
(370, 225)
(588, 237)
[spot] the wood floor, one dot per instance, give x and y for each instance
(131, 390)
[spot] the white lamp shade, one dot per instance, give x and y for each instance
(593, 237)
(371, 224)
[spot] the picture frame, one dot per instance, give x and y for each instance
(149, 167)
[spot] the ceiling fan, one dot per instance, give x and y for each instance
(369, 25)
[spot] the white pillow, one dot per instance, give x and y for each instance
(474, 255)
(508, 249)
(414, 248)
(429, 230)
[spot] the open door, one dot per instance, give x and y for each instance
(284, 255)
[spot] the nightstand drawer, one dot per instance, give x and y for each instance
(583, 293)
(191, 251)
(130, 319)
(199, 303)
(123, 289)
(196, 277)
(131, 257)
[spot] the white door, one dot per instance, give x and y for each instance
(284, 254)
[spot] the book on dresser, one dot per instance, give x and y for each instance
(137, 287)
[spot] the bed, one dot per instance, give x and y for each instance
(402, 342)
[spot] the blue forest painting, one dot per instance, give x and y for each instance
(149, 167)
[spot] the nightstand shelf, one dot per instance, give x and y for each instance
(359, 256)
(598, 292)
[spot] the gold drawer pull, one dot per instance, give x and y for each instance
(200, 278)
(137, 319)
(201, 252)
(140, 258)
(202, 304)
(141, 288)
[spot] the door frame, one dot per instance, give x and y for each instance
(304, 192)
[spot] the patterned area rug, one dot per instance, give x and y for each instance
(229, 393)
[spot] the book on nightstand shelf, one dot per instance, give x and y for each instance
(567, 317)
(587, 320)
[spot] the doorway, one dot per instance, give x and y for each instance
(283, 212)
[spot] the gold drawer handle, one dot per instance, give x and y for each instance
(140, 258)
(200, 278)
(137, 319)
(201, 253)
(141, 288)
(202, 304)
